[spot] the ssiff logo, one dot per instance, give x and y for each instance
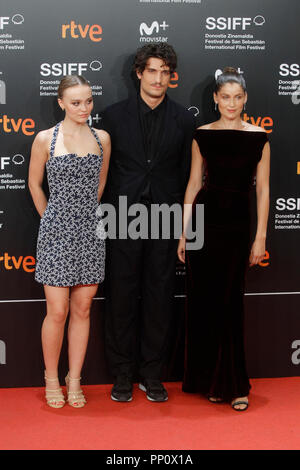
(234, 23)
(17, 159)
(16, 19)
(77, 31)
(2, 352)
(68, 68)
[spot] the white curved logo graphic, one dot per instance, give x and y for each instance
(18, 19)
(194, 110)
(145, 29)
(95, 65)
(296, 93)
(218, 72)
(18, 159)
(259, 20)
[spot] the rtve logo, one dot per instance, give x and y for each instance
(230, 23)
(265, 122)
(154, 28)
(266, 260)
(27, 263)
(77, 31)
(16, 19)
(9, 125)
(174, 80)
(2, 352)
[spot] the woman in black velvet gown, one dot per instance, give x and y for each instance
(230, 152)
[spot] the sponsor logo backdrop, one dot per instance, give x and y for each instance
(40, 42)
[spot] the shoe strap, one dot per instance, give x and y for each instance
(236, 403)
(70, 378)
(50, 380)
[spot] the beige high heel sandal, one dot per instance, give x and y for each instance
(55, 398)
(75, 399)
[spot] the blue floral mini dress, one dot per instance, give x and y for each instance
(70, 250)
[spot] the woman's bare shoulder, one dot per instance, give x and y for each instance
(206, 126)
(43, 138)
(103, 136)
(253, 128)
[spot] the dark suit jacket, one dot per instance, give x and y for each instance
(129, 170)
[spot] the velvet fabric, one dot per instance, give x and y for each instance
(214, 357)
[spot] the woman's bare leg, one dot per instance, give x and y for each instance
(79, 328)
(53, 331)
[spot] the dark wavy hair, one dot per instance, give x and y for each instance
(159, 50)
(230, 75)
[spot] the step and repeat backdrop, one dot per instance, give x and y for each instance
(42, 41)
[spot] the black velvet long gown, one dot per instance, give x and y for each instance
(215, 360)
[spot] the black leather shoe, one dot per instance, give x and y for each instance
(155, 391)
(122, 389)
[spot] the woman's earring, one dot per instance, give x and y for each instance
(244, 106)
(216, 105)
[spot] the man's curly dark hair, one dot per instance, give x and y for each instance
(159, 50)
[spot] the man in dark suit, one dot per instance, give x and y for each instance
(151, 150)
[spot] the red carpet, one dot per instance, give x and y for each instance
(185, 422)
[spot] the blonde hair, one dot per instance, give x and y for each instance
(69, 81)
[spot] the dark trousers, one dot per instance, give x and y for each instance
(140, 282)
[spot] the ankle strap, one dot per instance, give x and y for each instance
(50, 380)
(70, 378)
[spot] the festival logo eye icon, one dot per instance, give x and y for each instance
(18, 19)
(259, 20)
(95, 65)
(18, 159)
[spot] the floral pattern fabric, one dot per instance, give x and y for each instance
(69, 250)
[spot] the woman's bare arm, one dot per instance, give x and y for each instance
(38, 159)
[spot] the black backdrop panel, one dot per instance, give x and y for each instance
(40, 42)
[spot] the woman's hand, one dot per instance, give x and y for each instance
(258, 251)
(181, 249)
